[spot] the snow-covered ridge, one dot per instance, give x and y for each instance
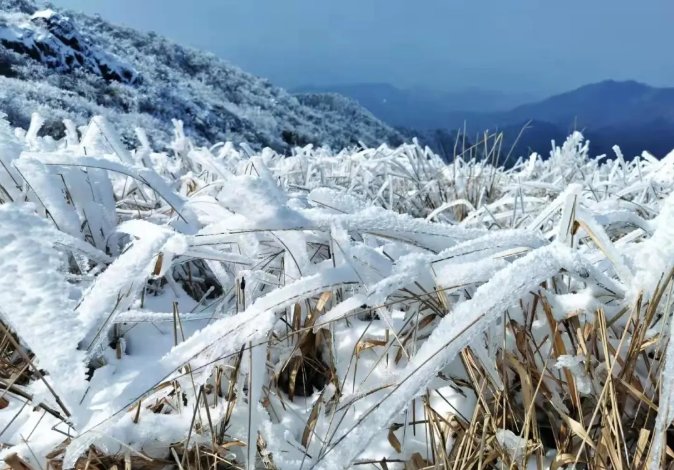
(310, 311)
(53, 40)
(70, 66)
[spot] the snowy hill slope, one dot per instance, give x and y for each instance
(68, 65)
(52, 40)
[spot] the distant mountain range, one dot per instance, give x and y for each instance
(420, 108)
(634, 115)
(64, 64)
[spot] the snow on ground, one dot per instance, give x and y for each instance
(312, 311)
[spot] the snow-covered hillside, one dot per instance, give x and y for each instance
(52, 40)
(210, 308)
(68, 65)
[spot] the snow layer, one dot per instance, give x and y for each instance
(35, 299)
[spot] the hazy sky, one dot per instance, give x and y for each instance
(514, 45)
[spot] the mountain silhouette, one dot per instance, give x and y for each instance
(638, 116)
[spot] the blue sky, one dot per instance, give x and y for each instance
(535, 46)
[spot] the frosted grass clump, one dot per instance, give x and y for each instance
(230, 308)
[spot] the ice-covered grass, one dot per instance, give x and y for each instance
(214, 307)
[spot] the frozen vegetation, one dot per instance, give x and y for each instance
(222, 307)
